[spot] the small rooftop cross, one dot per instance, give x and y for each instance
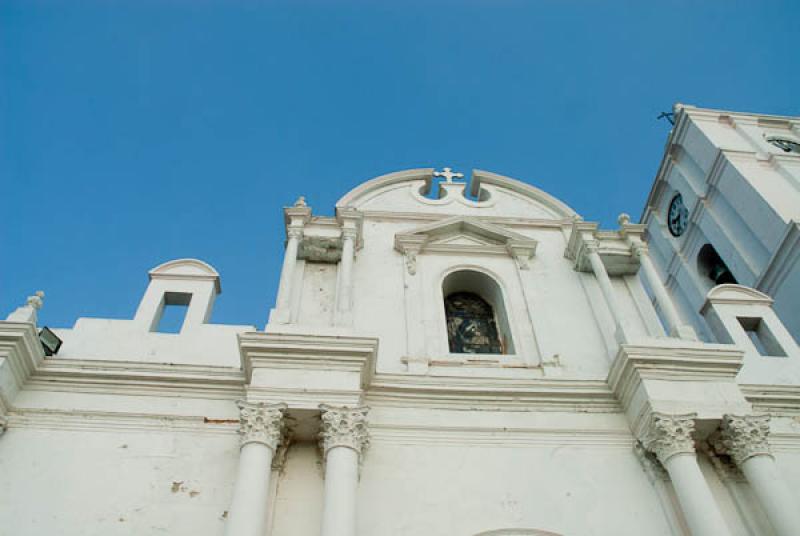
(448, 174)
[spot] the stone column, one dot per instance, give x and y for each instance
(745, 440)
(284, 301)
(261, 431)
(344, 437)
(664, 300)
(599, 269)
(670, 439)
(344, 299)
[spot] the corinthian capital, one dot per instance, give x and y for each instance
(639, 250)
(349, 233)
(344, 427)
(743, 437)
(669, 435)
(260, 422)
(294, 232)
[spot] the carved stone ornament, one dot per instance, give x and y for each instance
(260, 422)
(349, 233)
(294, 232)
(639, 250)
(742, 437)
(591, 246)
(669, 435)
(723, 464)
(411, 262)
(27, 313)
(652, 467)
(344, 427)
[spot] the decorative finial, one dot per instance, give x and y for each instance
(623, 219)
(448, 174)
(36, 300)
(27, 312)
(301, 201)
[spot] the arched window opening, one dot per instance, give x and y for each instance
(711, 265)
(475, 314)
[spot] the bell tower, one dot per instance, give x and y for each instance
(725, 208)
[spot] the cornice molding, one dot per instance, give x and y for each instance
(616, 248)
(532, 223)
(103, 421)
(448, 392)
(501, 437)
(20, 354)
(309, 352)
(773, 399)
(135, 378)
(700, 362)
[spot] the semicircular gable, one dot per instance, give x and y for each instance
(498, 195)
(736, 292)
(185, 267)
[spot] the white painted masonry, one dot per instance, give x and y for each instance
(605, 413)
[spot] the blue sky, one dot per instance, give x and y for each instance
(136, 132)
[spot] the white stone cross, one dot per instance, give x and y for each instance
(448, 174)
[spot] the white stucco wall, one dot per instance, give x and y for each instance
(130, 431)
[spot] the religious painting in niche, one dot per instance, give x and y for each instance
(471, 326)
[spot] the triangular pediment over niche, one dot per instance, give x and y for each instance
(465, 239)
(463, 234)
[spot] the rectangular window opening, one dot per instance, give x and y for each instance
(173, 312)
(762, 338)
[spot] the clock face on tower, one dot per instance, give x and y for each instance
(677, 216)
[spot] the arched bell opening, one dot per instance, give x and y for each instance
(711, 266)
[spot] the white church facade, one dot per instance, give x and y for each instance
(443, 362)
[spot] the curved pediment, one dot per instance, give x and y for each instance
(731, 293)
(186, 269)
(493, 195)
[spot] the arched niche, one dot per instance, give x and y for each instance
(464, 282)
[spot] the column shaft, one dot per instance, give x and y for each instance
(341, 483)
(662, 296)
(698, 505)
(261, 431)
(344, 437)
(248, 512)
(775, 497)
(284, 302)
(346, 266)
(746, 439)
(607, 288)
